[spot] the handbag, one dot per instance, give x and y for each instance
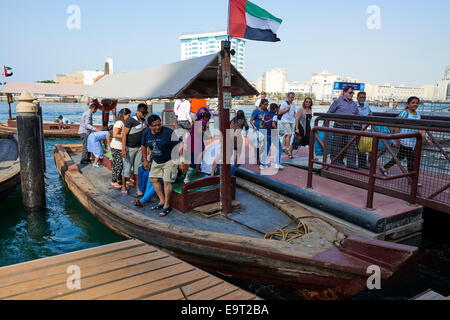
(365, 144)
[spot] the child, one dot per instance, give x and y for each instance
(94, 143)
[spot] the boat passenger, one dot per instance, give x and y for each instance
(161, 141)
(303, 125)
(258, 102)
(238, 124)
(149, 189)
(94, 143)
(195, 161)
(271, 123)
(85, 130)
(182, 111)
(364, 110)
(61, 119)
(344, 105)
(257, 122)
(287, 121)
(116, 149)
(131, 147)
(211, 161)
(407, 146)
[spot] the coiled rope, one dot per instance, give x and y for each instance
(300, 230)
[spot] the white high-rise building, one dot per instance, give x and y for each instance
(110, 63)
(202, 44)
(274, 81)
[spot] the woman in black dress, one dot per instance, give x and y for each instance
(303, 124)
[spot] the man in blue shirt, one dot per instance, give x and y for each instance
(344, 105)
(257, 122)
(161, 141)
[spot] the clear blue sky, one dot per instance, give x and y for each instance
(412, 46)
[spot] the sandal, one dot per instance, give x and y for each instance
(384, 172)
(158, 206)
(138, 203)
(165, 212)
(137, 195)
(125, 191)
(116, 186)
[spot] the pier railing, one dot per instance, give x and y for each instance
(431, 157)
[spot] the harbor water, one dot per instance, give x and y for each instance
(66, 226)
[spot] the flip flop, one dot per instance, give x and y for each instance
(158, 206)
(138, 203)
(138, 195)
(125, 192)
(165, 212)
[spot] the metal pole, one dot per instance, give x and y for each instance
(372, 172)
(31, 164)
(223, 85)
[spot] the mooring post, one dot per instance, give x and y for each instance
(41, 136)
(31, 162)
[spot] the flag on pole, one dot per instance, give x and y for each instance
(248, 21)
(6, 71)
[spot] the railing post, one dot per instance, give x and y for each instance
(325, 143)
(372, 172)
(311, 158)
(415, 178)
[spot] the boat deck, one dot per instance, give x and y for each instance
(254, 218)
(127, 270)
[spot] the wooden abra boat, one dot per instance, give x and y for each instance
(51, 129)
(9, 165)
(319, 257)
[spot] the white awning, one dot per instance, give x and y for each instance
(195, 78)
(44, 88)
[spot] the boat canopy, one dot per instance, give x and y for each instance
(44, 88)
(195, 78)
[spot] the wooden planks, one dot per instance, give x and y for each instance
(126, 270)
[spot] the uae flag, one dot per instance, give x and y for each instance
(8, 74)
(249, 21)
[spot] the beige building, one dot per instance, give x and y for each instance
(82, 77)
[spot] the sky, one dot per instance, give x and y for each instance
(411, 45)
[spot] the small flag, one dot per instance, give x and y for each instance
(249, 21)
(6, 71)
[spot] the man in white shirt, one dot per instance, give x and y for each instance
(287, 111)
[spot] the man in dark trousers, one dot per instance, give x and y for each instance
(85, 130)
(344, 105)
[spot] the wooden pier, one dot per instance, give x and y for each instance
(128, 270)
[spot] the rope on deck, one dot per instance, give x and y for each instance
(300, 230)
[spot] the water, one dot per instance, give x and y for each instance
(66, 226)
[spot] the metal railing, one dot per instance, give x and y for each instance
(434, 165)
(372, 172)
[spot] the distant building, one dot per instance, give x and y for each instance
(273, 81)
(298, 87)
(85, 77)
(82, 77)
(322, 85)
(202, 44)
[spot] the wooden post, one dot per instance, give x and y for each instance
(31, 164)
(224, 84)
(41, 125)
(9, 99)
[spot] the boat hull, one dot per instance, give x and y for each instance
(9, 168)
(332, 270)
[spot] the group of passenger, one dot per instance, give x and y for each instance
(142, 145)
(296, 125)
(346, 106)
